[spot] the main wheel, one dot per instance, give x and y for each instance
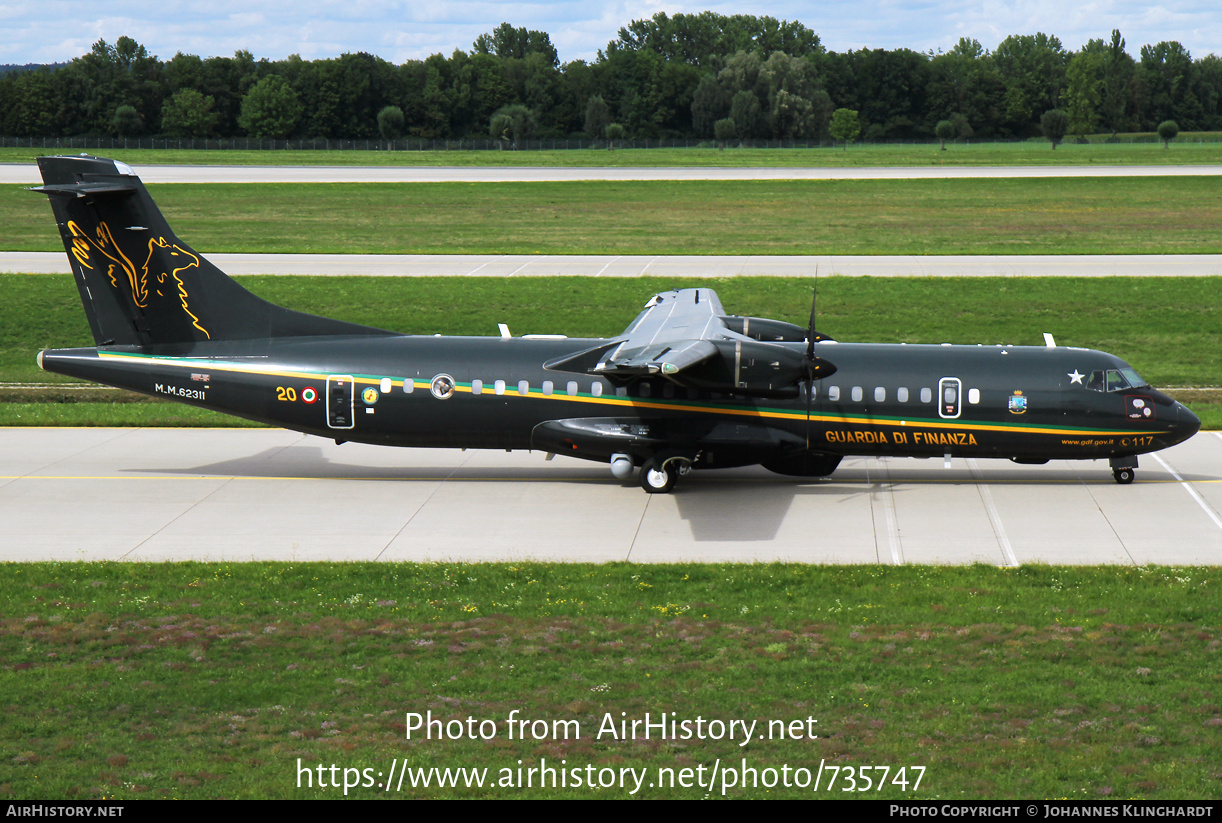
(1124, 476)
(657, 479)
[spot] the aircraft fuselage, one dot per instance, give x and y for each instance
(1025, 403)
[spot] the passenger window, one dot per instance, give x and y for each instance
(571, 388)
(622, 391)
(668, 390)
(596, 389)
(385, 385)
(833, 394)
(547, 387)
(973, 396)
(926, 395)
(477, 386)
(901, 394)
(880, 395)
(523, 387)
(499, 387)
(644, 390)
(857, 394)
(409, 385)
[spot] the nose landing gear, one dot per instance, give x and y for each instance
(1124, 469)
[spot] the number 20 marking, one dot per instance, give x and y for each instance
(286, 393)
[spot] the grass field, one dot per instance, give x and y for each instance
(1046, 216)
(1184, 150)
(127, 680)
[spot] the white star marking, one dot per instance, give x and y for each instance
(1074, 377)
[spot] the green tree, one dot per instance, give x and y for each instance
(270, 109)
(127, 122)
(598, 115)
(390, 123)
(704, 39)
(1085, 85)
(945, 130)
(709, 104)
(515, 123)
(615, 132)
(1118, 76)
(725, 131)
(747, 114)
(1054, 124)
(108, 77)
(845, 126)
(1033, 70)
(1167, 131)
(792, 93)
(963, 128)
(509, 42)
(748, 95)
(187, 113)
(964, 80)
(1166, 73)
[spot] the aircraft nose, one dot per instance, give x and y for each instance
(1186, 423)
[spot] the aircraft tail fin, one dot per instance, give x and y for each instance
(140, 284)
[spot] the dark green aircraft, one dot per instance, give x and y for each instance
(684, 387)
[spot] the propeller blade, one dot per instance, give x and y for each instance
(810, 331)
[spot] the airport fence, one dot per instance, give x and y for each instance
(559, 144)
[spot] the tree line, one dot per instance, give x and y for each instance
(689, 75)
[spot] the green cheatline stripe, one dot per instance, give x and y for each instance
(783, 414)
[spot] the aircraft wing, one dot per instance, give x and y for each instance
(685, 335)
(674, 332)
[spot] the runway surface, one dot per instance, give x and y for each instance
(264, 494)
(594, 265)
(28, 173)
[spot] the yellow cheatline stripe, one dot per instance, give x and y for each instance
(638, 403)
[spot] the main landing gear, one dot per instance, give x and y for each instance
(659, 476)
(1124, 469)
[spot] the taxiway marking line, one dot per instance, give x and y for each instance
(1205, 507)
(1007, 551)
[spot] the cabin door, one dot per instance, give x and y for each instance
(950, 397)
(341, 397)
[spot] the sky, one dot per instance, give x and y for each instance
(47, 31)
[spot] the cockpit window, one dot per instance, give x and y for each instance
(1110, 380)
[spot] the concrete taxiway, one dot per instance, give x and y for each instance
(262, 494)
(28, 173)
(595, 265)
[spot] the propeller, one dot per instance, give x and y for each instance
(814, 368)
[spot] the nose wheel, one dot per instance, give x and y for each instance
(1124, 476)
